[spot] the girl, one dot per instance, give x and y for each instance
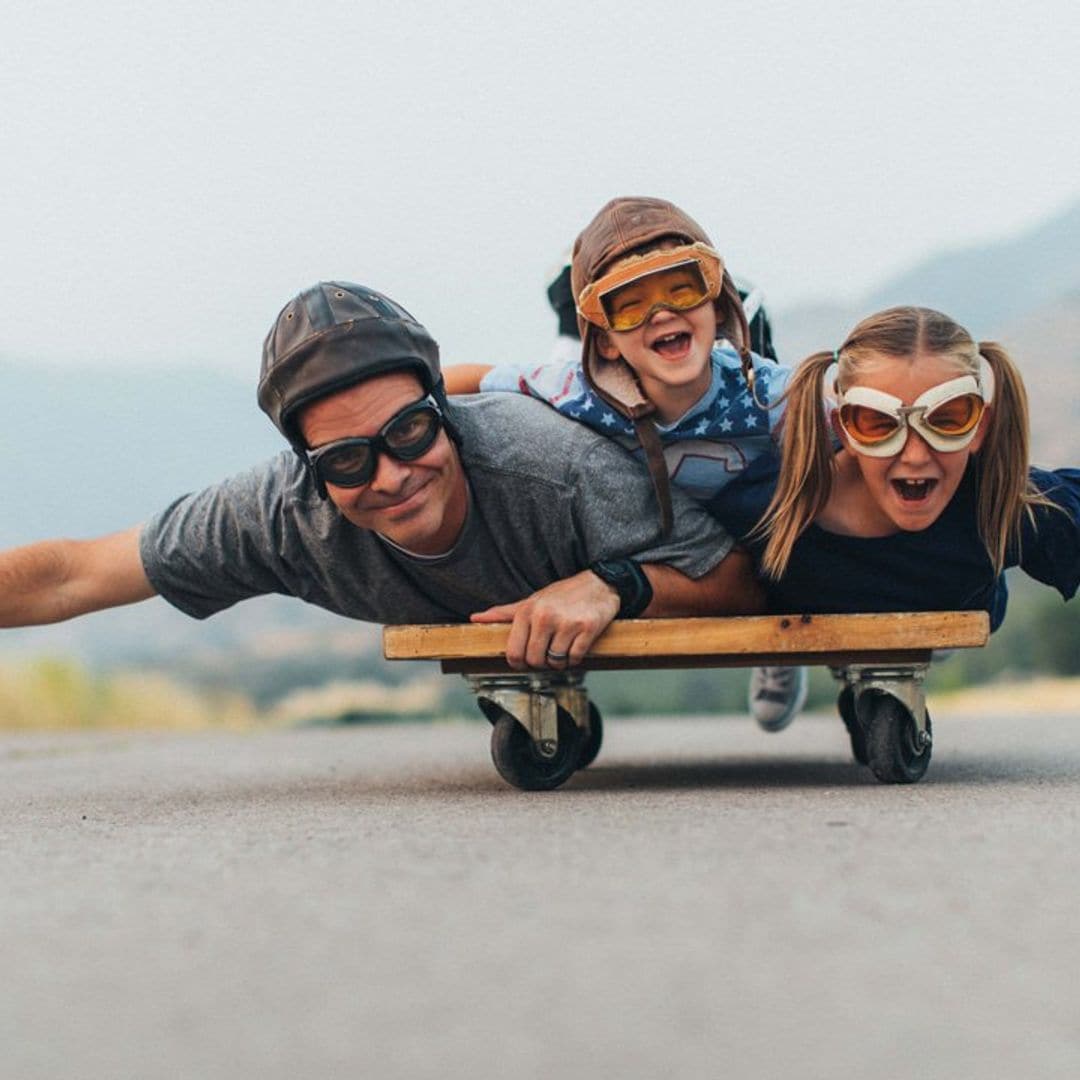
(930, 495)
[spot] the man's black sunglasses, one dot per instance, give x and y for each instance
(406, 436)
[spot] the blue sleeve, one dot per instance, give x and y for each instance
(557, 384)
(563, 387)
(1050, 545)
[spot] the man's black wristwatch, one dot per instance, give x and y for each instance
(628, 579)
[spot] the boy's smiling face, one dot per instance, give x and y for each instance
(669, 352)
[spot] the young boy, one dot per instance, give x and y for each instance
(653, 297)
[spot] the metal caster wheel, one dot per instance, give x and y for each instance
(521, 762)
(593, 740)
(895, 752)
(846, 705)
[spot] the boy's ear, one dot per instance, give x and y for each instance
(606, 347)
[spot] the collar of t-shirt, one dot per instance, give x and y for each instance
(451, 550)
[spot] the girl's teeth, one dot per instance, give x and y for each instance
(913, 489)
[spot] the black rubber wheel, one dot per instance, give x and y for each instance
(518, 761)
(594, 738)
(846, 704)
(892, 752)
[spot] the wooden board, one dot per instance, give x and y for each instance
(904, 637)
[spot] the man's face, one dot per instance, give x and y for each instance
(419, 504)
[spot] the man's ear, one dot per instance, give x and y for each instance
(982, 430)
(606, 347)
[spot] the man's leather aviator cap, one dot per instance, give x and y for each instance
(331, 336)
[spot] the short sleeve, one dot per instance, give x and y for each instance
(616, 513)
(209, 550)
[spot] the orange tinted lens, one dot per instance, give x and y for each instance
(867, 425)
(957, 416)
(679, 287)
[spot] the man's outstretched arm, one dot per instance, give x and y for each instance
(56, 580)
(556, 626)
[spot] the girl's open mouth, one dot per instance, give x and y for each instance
(672, 345)
(913, 490)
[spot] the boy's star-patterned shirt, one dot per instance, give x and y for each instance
(708, 446)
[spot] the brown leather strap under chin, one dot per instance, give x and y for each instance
(649, 438)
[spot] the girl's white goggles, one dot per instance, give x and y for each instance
(947, 416)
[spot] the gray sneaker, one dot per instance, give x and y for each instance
(776, 695)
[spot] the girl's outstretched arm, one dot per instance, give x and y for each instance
(1050, 545)
(464, 378)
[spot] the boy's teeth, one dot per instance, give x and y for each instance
(668, 340)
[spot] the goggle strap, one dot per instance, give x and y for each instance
(750, 375)
(649, 438)
(729, 291)
(320, 487)
(986, 380)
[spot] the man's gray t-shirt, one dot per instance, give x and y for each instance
(549, 497)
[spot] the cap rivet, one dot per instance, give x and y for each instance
(339, 294)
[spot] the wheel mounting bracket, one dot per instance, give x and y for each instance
(905, 682)
(534, 700)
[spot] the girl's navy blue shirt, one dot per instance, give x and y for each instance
(942, 568)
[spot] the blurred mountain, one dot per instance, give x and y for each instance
(88, 450)
(987, 288)
(1045, 342)
(1023, 291)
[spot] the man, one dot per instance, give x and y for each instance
(397, 506)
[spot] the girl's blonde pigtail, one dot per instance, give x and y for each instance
(806, 467)
(1005, 490)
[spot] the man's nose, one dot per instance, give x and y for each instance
(390, 474)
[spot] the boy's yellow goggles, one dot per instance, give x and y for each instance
(678, 278)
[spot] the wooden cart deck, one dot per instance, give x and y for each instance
(744, 641)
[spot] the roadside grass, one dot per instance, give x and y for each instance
(54, 694)
(1030, 697)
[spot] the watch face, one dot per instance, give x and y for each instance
(629, 581)
(616, 574)
(609, 570)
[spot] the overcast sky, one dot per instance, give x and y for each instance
(173, 172)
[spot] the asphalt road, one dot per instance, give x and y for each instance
(707, 901)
